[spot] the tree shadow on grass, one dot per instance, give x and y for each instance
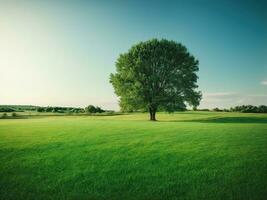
(228, 120)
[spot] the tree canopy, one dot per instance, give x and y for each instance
(93, 109)
(156, 74)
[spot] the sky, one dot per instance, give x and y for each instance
(61, 53)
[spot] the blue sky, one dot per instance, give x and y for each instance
(62, 52)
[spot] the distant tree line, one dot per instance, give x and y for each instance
(57, 109)
(88, 109)
(243, 109)
(54, 109)
(95, 109)
(6, 109)
(17, 108)
(249, 109)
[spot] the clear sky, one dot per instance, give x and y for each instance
(62, 52)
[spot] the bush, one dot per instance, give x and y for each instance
(14, 115)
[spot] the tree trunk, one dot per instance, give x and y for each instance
(152, 113)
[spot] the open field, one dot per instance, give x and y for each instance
(190, 155)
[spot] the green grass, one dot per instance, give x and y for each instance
(191, 155)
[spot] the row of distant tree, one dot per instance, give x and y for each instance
(96, 109)
(88, 109)
(243, 109)
(17, 108)
(55, 109)
(250, 109)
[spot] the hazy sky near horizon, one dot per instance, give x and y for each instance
(62, 52)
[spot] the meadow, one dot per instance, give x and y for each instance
(185, 155)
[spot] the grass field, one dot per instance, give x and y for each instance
(190, 155)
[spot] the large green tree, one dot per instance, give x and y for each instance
(156, 74)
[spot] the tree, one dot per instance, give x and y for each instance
(48, 109)
(90, 109)
(55, 109)
(156, 74)
(93, 109)
(99, 110)
(40, 109)
(7, 109)
(262, 109)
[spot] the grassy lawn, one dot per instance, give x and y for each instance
(191, 155)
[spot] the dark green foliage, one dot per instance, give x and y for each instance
(182, 107)
(156, 74)
(99, 110)
(21, 108)
(93, 109)
(40, 109)
(6, 109)
(58, 109)
(90, 109)
(76, 110)
(243, 109)
(17, 108)
(55, 109)
(262, 109)
(14, 115)
(48, 109)
(250, 109)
